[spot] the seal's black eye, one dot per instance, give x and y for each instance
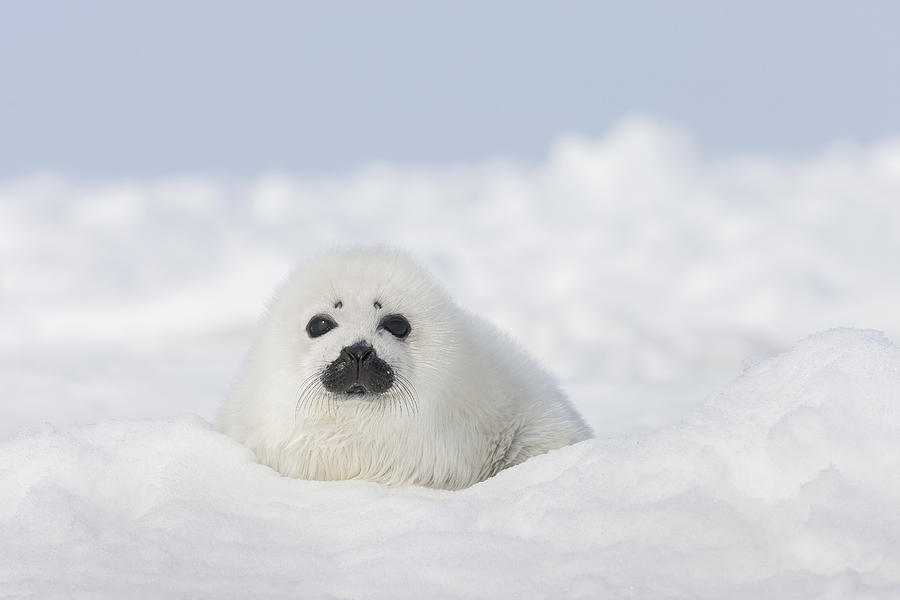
(397, 325)
(320, 325)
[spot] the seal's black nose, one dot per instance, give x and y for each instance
(359, 351)
(358, 370)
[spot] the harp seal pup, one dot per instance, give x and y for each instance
(365, 369)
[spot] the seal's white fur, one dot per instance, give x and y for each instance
(467, 401)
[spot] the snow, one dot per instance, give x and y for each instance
(645, 275)
(784, 485)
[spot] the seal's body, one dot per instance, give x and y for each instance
(365, 369)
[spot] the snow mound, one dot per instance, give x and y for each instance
(786, 484)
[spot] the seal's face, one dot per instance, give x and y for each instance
(358, 369)
(358, 350)
(356, 331)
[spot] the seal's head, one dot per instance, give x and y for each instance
(358, 324)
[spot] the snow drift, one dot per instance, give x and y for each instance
(783, 485)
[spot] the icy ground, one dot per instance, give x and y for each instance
(644, 275)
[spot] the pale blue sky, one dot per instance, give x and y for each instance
(110, 88)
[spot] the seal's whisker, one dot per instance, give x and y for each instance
(302, 393)
(400, 396)
(408, 393)
(309, 395)
(408, 400)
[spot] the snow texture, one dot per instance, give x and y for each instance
(644, 275)
(784, 485)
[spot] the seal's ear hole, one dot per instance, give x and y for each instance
(396, 325)
(320, 325)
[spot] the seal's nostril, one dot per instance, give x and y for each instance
(359, 351)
